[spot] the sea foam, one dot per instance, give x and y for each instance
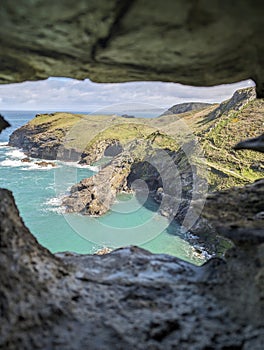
(54, 204)
(81, 166)
(11, 163)
(16, 153)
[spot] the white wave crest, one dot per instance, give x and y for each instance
(3, 144)
(93, 168)
(55, 205)
(17, 154)
(35, 166)
(81, 166)
(15, 163)
(55, 201)
(11, 163)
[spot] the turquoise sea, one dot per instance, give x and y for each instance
(38, 192)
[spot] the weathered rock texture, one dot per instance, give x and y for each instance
(131, 299)
(192, 42)
(186, 107)
(242, 223)
(128, 299)
(3, 123)
(46, 139)
(239, 99)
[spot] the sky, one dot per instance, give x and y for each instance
(64, 94)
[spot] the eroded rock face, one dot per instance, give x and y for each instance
(235, 103)
(128, 299)
(3, 123)
(186, 107)
(107, 147)
(242, 213)
(131, 299)
(197, 43)
(44, 141)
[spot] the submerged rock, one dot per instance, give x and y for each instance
(103, 251)
(44, 164)
(26, 160)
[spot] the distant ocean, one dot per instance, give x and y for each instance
(38, 193)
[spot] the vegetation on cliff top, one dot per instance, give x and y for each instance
(216, 136)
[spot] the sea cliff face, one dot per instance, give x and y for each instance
(217, 129)
(3, 123)
(131, 299)
(133, 147)
(43, 137)
(238, 100)
(186, 107)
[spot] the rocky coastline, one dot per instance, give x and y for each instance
(132, 299)
(137, 157)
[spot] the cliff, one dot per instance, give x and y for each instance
(235, 103)
(186, 107)
(217, 128)
(222, 169)
(43, 137)
(131, 299)
(3, 123)
(132, 145)
(76, 137)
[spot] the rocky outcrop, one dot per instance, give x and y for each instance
(43, 140)
(35, 142)
(3, 123)
(129, 298)
(169, 176)
(76, 137)
(115, 41)
(94, 196)
(99, 149)
(186, 107)
(235, 103)
(243, 223)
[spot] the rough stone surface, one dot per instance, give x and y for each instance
(239, 99)
(242, 223)
(45, 141)
(186, 107)
(192, 42)
(128, 299)
(3, 123)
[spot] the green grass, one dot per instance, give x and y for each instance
(216, 137)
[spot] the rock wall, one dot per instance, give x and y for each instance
(191, 42)
(186, 107)
(235, 103)
(3, 123)
(128, 299)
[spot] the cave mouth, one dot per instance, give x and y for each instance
(31, 179)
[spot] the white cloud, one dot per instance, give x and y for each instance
(73, 95)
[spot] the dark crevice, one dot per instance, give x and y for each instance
(121, 9)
